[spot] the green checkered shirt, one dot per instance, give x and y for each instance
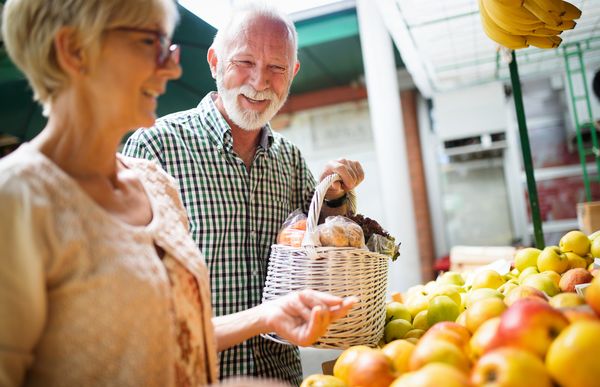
(234, 216)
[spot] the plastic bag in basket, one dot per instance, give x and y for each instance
(339, 231)
(293, 229)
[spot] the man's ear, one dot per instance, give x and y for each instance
(211, 57)
(296, 68)
(69, 51)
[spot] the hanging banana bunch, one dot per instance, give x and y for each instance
(521, 23)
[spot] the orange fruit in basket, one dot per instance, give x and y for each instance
(299, 225)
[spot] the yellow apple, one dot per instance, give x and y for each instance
(580, 312)
(572, 359)
(483, 338)
(576, 242)
(592, 294)
(542, 282)
(482, 311)
(510, 367)
(551, 258)
(436, 350)
(462, 319)
(562, 300)
(433, 374)
(478, 294)
(576, 261)
(487, 279)
(399, 352)
(449, 331)
(452, 278)
(553, 275)
(526, 257)
(318, 380)
(414, 333)
(523, 291)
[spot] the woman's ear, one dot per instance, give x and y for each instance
(69, 51)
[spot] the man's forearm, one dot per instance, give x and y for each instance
(238, 327)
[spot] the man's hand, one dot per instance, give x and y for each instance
(302, 317)
(351, 173)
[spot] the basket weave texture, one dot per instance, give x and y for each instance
(341, 271)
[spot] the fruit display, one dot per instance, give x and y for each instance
(518, 24)
(528, 326)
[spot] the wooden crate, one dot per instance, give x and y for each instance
(467, 258)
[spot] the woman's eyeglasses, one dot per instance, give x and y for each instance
(166, 50)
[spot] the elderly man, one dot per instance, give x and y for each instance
(238, 179)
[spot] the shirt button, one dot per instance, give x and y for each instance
(253, 234)
(255, 273)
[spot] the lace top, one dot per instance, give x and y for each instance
(84, 298)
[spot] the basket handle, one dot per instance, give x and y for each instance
(316, 204)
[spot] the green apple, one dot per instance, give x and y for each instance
(420, 321)
(542, 282)
(416, 303)
(576, 242)
(451, 278)
(414, 333)
(396, 310)
(442, 308)
(447, 290)
(396, 329)
(508, 286)
(479, 294)
(527, 272)
(551, 258)
(487, 279)
(526, 258)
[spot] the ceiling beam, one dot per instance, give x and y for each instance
(327, 28)
(400, 33)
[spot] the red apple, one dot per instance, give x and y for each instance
(510, 367)
(344, 362)
(371, 368)
(531, 325)
(574, 277)
(483, 338)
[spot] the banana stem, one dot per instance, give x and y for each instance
(526, 151)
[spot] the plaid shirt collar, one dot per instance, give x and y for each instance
(220, 131)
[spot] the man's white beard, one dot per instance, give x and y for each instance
(248, 119)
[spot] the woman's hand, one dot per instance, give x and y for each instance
(302, 317)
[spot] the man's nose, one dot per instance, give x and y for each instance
(260, 78)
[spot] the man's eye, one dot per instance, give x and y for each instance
(149, 41)
(278, 69)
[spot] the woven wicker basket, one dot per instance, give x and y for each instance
(339, 271)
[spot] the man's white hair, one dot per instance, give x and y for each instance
(249, 11)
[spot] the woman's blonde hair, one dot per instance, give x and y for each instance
(29, 26)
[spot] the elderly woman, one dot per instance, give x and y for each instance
(100, 282)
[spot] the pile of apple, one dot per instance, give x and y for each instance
(528, 327)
